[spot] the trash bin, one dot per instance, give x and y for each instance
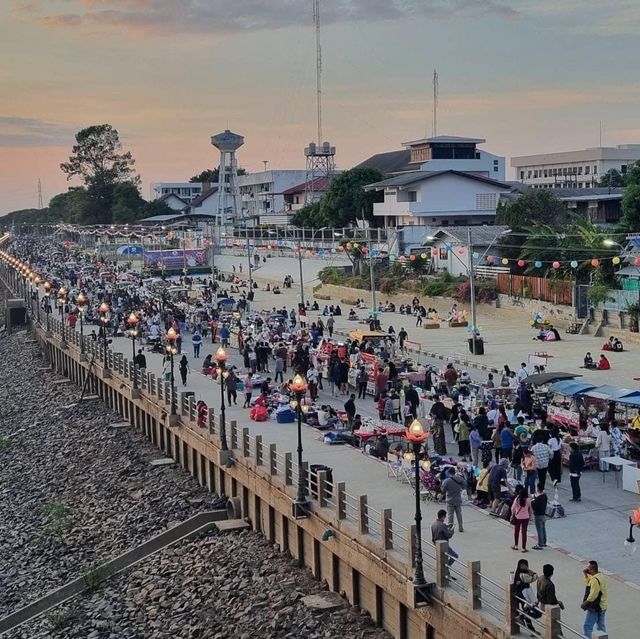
(313, 479)
(476, 345)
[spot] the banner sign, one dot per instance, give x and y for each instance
(175, 259)
(563, 416)
(130, 249)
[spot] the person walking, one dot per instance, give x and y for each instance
(539, 507)
(350, 408)
(183, 366)
(452, 488)
(523, 579)
(529, 466)
(576, 466)
(196, 342)
(475, 441)
(361, 380)
(542, 454)
(248, 390)
(439, 414)
(141, 361)
(603, 444)
(595, 599)
(521, 513)
(331, 322)
(231, 384)
(464, 445)
(312, 380)
(402, 336)
(443, 532)
(555, 463)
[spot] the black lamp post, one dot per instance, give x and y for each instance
(221, 358)
(417, 437)
(62, 298)
(299, 386)
(81, 301)
(133, 333)
(172, 350)
(47, 294)
(36, 283)
(103, 309)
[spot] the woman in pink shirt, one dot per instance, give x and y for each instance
(521, 513)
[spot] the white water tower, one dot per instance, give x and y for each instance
(228, 143)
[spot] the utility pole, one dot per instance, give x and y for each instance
(40, 202)
(472, 292)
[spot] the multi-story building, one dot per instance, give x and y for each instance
(262, 194)
(440, 153)
(187, 191)
(573, 169)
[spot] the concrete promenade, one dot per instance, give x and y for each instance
(594, 528)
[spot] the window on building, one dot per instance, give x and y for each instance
(412, 196)
(623, 169)
(486, 201)
(496, 165)
(564, 170)
(529, 174)
(579, 185)
(579, 170)
(522, 175)
(546, 173)
(535, 173)
(587, 170)
(595, 169)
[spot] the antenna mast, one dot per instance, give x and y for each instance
(435, 104)
(40, 203)
(316, 19)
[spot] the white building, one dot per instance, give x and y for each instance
(262, 194)
(438, 198)
(573, 169)
(440, 153)
(187, 191)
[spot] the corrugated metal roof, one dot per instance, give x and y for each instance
(390, 162)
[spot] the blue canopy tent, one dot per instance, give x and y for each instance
(570, 387)
(612, 393)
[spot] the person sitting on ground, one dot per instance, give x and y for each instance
(608, 346)
(381, 450)
(588, 361)
(604, 364)
(617, 345)
(352, 314)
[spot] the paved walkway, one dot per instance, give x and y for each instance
(593, 529)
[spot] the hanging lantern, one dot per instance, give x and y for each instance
(349, 245)
(521, 263)
(476, 255)
(356, 245)
(392, 258)
(616, 260)
(364, 249)
(412, 258)
(637, 261)
(423, 256)
(461, 251)
(505, 261)
(538, 264)
(556, 265)
(595, 262)
(574, 264)
(490, 259)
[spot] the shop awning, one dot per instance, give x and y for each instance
(570, 387)
(613, 393)
(545, 378)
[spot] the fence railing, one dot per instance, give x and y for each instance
(394, 539)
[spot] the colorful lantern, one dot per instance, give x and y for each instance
(476, 255)
(505, 261)
(490, 259)
(412, 258)
(521, 263)
(595, 262)
(556, 265)
(637, 261)
(538, 264)
(349, 245)
(423, 256)
(616, 260)
(574, 264)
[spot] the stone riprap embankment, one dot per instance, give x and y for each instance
(75, 492)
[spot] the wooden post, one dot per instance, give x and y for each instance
(234, 434)
(510, 611)
(474, 584)
(273, 463)
(411, 545)
(442, 570)
(341, 500)
(386, 529)
(259, 450)
(552, 629)
(245, 442)
(322, 488)
(288, 470)
(363, 515)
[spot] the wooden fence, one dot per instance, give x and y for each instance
(536, 288)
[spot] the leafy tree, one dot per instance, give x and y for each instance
(344, 202)
(211, 176)
(612, 178)
(97, 159)
(630, 220)
(536, 206)
(68, 207)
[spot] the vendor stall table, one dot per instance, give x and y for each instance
(619, 462)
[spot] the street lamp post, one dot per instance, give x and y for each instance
(36, 283)
(221, 358)
(417, 437)
(172, 350)
(62, 298)
(47, 294)
(299, 386)
(133, 333)
(81, 301)
(103, 309)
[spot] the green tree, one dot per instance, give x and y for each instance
(211, 176)
(630, 220)
(69, 206)
(536, 206)
(98, 160)
(612, 178)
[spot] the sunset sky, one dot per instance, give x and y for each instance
(527, 75)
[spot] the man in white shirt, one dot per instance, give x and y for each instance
(523, 372)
